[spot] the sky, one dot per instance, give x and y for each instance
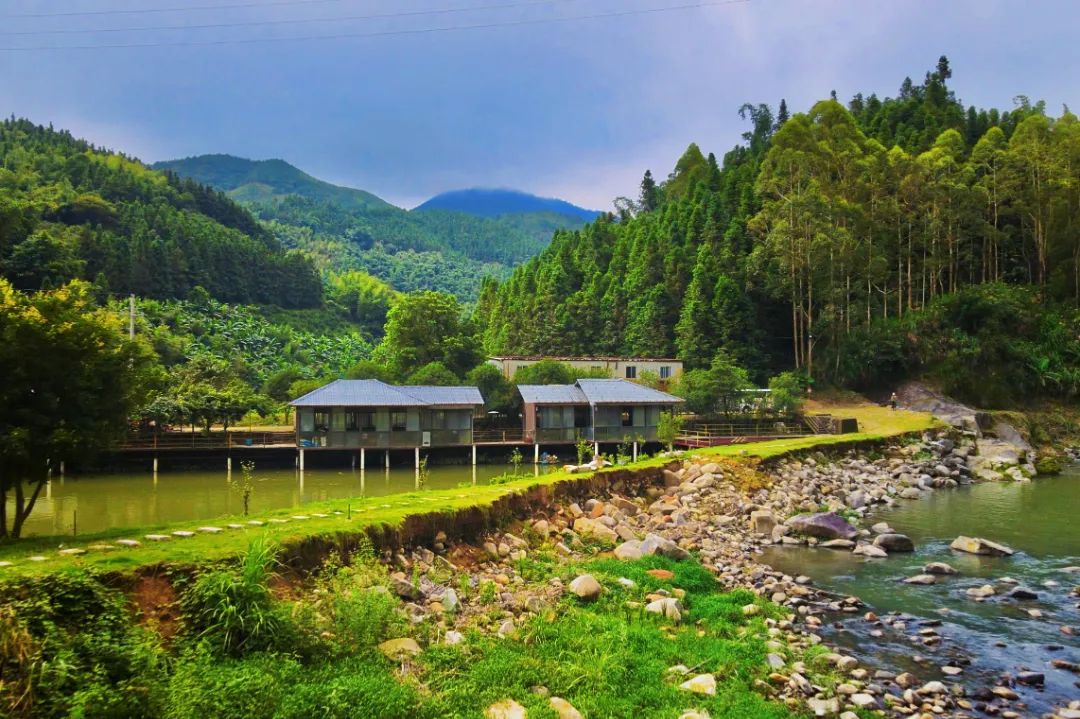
(565, 98)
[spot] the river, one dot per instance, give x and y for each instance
(1038, 519)
(96, 502)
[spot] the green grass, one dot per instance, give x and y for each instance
(877, 423)
(609, 660)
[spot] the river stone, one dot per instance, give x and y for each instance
(1022, 593)
(824, 707)
(762, 522)
(667, 607)
(398, 649)
(894, 542)
(450, 600)
(404, 588)
(981, 592)
(838, 544)
(595, 530)
(869, 550)
(863, 701)
(701, 684)
(655, 544)
(921, 579)
(911, 493)
(586, 588)
(564, 709)
(824, 525)
(938, 568)
(881, 528)
(157, 537)
(629, 550)
(977, 545)
(506, 709)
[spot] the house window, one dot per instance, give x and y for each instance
(397, 421)
(582, 418)
(322, 420)
(665, 372)
(627, 416)
(351, 424)
(366, 421)
(631, 372)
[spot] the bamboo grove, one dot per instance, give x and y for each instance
(820, 226)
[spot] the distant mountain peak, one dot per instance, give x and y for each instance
(495, 202)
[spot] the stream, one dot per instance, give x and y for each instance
(1038, 519)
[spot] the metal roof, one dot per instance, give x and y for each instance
(444, 396)
(594, 391)
(551, 394)
(601, 358)
(375, 393)
(620, 391)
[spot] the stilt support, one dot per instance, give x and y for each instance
(536, 454)
(416, 453)
(301, 460)
(635, 451)
(388, 459)
(474, 457)
(363, 459)
(155, 465)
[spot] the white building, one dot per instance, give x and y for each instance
(616, 367)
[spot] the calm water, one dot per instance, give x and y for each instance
(99, 502)
(1039, 520)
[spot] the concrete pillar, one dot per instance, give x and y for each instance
(155, 464)
(301, 460)
(228, 464)
(363, 482)
(635, 451)
(474, 459)
(352, 461)
(474, 474)
(536, 454)
(596, 451)
(363, 460)
(416, 454)
(388, 460)
(61, 468)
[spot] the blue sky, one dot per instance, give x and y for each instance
(574, 109)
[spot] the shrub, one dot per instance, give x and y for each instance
(233, 611)
(249, 688)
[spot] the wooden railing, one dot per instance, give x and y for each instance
(215, 440)
(498, 436)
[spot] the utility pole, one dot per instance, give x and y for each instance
(131, 317)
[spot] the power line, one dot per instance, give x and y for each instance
(147, 11)
(259, 23)
(383, 33)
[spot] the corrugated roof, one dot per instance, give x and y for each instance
(551, 394)
(430, 394)
(619, 391)
(537, 358)
(375, 393)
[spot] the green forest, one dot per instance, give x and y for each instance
(858, 244)
(69, 210)
(345, 229)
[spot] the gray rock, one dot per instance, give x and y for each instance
(585, 587)
(838, 544)
(938, 568)
(894, 542)
(762, 521)
(977, 545)
(870, 550)
(824, 525)
(921, 579)
(1022, 593)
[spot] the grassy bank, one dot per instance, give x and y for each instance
(350, 517)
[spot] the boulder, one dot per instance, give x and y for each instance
(506, 709)
(398, 649)
(823, 525)
(938, 568)
(894, 542)
(921, 579)
(655, 544)
(629, 550)
(593, 529)
(977, 545)
(981, 592)
(838, 544)
(1022, 593)
(586, 588)
(870, 550)
(762, 522)
(701, 684)
(667, 607)
(564, 709)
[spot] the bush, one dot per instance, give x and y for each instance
(233, 611)
(786, 391)
(357, 687)
(70, 647)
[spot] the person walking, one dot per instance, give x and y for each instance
(893, 400)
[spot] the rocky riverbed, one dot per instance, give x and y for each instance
(725, 513)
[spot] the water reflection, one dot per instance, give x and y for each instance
(117, 500)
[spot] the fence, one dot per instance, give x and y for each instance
(215, 440)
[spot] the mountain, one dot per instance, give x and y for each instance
(71, 210)
(267, 180)
(346, 229)
(484, 202)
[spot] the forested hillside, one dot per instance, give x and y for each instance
(347, 229)
(70, 210)
(496, 203)
(893, 224)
